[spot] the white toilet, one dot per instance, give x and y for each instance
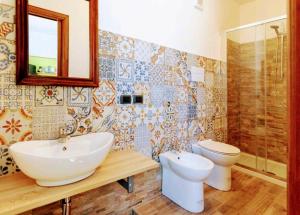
(224, 157)
(182, 179)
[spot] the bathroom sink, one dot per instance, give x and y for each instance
(52, 163)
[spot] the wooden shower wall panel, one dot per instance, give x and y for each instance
(276, 117)
(257, 100)
(233, 93)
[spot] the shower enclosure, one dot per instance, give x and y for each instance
(257, 95)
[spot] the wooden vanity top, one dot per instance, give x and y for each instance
(19, 193)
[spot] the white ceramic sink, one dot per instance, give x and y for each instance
(50, 164)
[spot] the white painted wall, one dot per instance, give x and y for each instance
(172, 23)
(258, 10)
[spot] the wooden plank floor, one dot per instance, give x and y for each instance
(249, 195)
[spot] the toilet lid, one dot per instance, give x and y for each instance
(219, 147)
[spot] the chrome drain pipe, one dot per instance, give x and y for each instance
(66, 206)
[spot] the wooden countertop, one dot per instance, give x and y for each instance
(19, 193)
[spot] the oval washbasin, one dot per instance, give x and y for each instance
(52, 163)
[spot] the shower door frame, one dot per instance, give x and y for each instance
(255, 25)
(294, 109)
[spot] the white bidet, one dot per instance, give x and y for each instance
(182, 179)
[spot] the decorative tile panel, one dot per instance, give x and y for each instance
(7, 164)
(144, 90)
(142, 51)
(157, 54)
(125, 116)
(49, 96)
(78, 120)
(107, 68)
(125, 47)
(15, 126)
(107, 43)
(125, 70)
(172, 57)
(142, 140)
(13, 96)
(105, 94)
(79, 97)
(157, 74)
(7, 55)
(47, 121)
(141, 71)
(104, 118)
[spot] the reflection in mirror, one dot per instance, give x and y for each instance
(43, 49)
(78, 47)
(57, 42)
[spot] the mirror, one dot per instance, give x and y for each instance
(57, 42)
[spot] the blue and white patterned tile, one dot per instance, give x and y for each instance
(142, 51)
(125, 70)
(194, 130)
(156, 94)
(141, 71)
(49, 96)
(172, 57)
(142, 115)
(192, 114)
(125, 116)
(169, 93)
(7, 56)
(182, 131)
(182, 95)
(142, 140)
(79, 97)
(107, 68)
(107, 43)
(157, 74)
(124, 88)
(125, 47)
(156, 114)
(183, 112)
(14, 96)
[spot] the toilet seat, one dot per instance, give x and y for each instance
(219, 148)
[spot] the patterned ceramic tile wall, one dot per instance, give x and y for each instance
(175, 113)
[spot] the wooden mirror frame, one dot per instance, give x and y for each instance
(22, 52)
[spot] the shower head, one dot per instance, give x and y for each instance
(276, 29)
